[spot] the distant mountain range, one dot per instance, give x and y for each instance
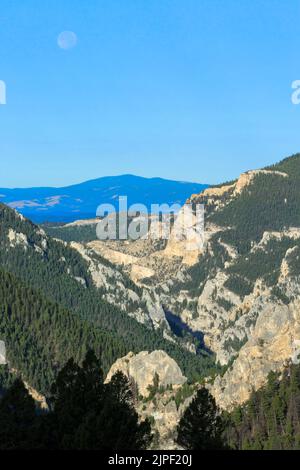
(237, 297)
(80, 201)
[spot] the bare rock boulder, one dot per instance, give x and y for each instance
(143, 366)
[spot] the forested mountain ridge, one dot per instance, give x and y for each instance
(40, 335)
(52, 309)
(246, 283)
(81, 200)
(242, 290)
(270, 419)
(42, 260)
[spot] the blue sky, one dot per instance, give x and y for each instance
(195, 90)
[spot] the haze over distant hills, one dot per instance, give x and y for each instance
(81, 200)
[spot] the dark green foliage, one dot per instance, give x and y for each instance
(201, 426)
(289, 165)
(183, 393)
(239, 285)
(270, 420)
(84, 414)
(40, 335)
(294, 261)
(280, 295)
(52, 275)
(154, 388)
(224, 303)
(262, 261)
(17, 418)
(72, 233)
(270, 202)
(6, 379)
(198, 274)
(90, 415)
(234, 344)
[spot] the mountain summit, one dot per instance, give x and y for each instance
(80, 201)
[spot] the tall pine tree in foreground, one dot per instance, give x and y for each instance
(84, 413)
(201, 425)
(17, 418)
(88, 414)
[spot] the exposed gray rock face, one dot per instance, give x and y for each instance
(155, 309)
(250, 318)
(20, 239)
(2, 353)
(260, 330)
(163, 411)
(16, 238)
(274, 342)
(142, 368)
(212, 317)
(142, 304)
(256, 330)
(165, 416)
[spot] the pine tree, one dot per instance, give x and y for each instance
(88, 414)
(201, 426)
(17, 418)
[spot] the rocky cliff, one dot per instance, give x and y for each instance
(143, 367)
(241, 290)
(162, 407)
(2, 353)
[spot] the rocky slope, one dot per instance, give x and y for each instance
(247, 307)
(141, 304)
(162, 402)
(238, 292)
(138, 302)
(241, 290)
(94, 294)
(143, 367)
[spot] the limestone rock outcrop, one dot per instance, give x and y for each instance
(2, 353)
(165, 415)
(143, 366)
(141, 303)
(274, 342)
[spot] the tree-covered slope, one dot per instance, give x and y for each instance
(243, 292)
(269, 203)
(71, 232)
(41, 335)
(59, 275)
(270, 420)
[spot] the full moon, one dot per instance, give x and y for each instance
(67, 40)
